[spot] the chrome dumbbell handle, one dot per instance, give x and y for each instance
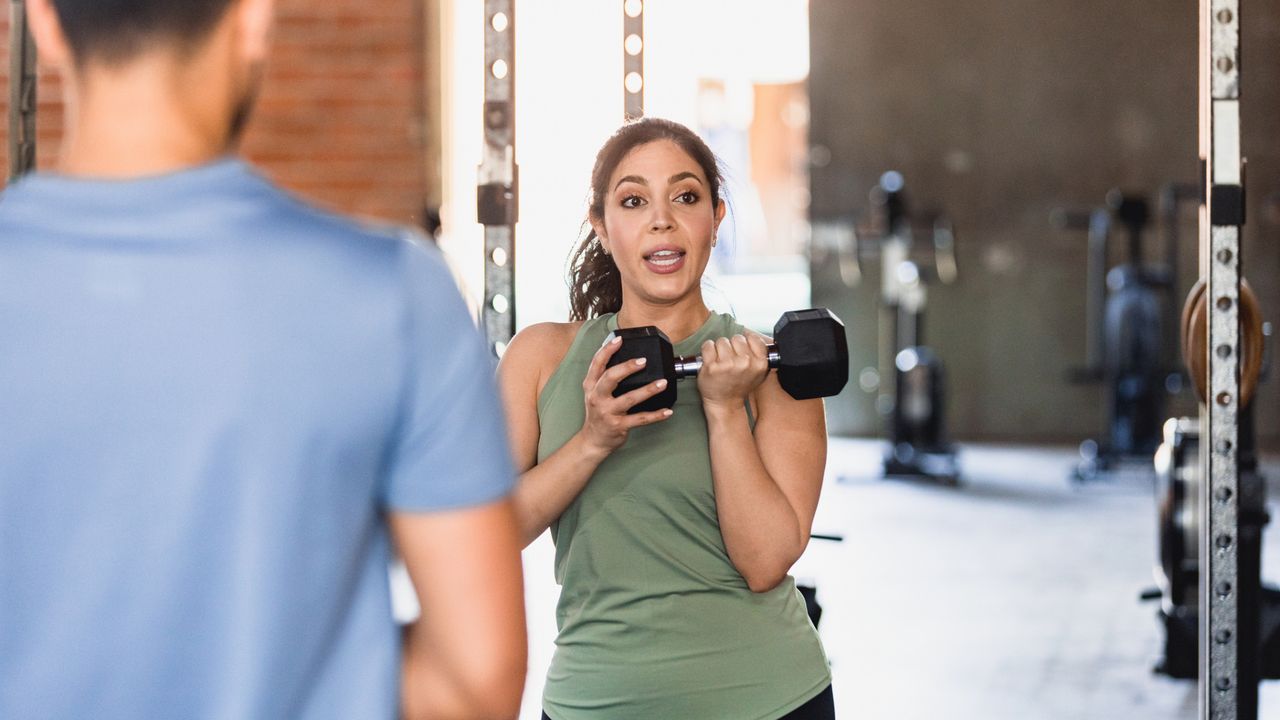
(689, 365)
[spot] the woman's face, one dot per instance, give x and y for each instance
(659, 222)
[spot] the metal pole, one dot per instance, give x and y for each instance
(1172, 198)
(1222, 689)
(633, 59)
(497, 196)
(22, 92)
(1095, 340)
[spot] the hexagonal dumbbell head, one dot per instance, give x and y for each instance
(813, 355)
(651, 344)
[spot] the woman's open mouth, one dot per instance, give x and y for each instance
(664, 261)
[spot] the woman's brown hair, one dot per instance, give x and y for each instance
(595, 287)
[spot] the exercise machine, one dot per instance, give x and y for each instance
(913, 403)
(1128, 348)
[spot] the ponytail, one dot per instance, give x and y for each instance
(595, 283)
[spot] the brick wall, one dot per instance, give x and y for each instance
(340, 114)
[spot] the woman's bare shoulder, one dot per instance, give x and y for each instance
(537, 350)
(545, 337)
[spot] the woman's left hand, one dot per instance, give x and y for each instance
(731, 369)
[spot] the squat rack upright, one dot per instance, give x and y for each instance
(22, 92)
(1228, 662)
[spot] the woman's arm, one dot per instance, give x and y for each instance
(545, 489)
(767, 483)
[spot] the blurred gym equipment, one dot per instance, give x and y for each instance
(1128, 312)
(914, 404)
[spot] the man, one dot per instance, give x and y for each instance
(220, 411)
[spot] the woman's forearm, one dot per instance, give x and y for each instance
(761, 530)
(545, 490)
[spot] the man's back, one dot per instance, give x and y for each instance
(211, 394)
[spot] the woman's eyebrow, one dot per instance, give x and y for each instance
(632, 178)
(670, 181)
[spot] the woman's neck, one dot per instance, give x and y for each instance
(677, 321)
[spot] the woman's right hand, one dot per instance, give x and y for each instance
(607, 422)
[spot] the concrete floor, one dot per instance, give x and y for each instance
(1013, 596)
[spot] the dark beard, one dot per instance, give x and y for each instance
(244, 108)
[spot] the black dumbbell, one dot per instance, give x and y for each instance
(809, 352)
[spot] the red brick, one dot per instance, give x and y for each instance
(336, 117)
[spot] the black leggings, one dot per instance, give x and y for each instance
(821, 707)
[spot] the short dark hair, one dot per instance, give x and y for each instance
(114, 31)
(595, 286)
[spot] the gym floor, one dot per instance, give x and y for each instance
(1013, 596)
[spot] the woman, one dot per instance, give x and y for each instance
(674, 529)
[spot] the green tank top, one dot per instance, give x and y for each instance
(654, 620)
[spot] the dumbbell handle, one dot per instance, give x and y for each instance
(689, 365)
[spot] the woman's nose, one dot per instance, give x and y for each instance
(661, 219)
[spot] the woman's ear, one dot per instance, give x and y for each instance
(721, 208)
(597, 226)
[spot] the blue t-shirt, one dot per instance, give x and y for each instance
(211, 394)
